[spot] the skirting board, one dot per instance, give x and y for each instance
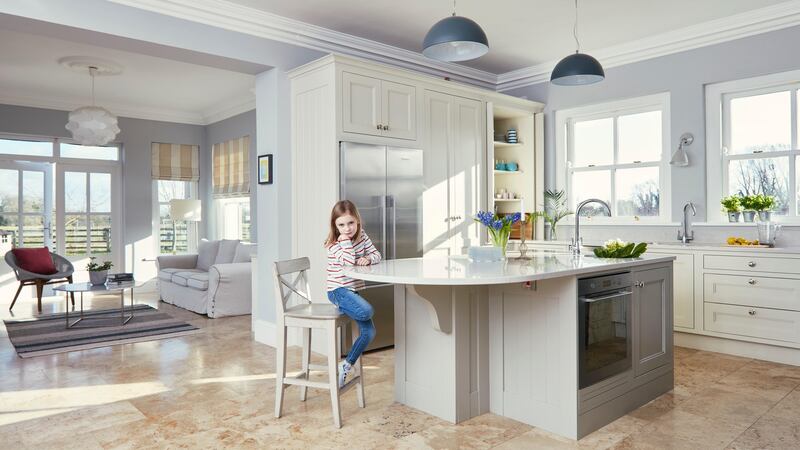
(783, 355)
(266, 333)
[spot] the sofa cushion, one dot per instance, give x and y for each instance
(244, 251)
(206, 253)
(227, 247)
(198, 281)
(35, 260)
(166, 274)
(182, 278)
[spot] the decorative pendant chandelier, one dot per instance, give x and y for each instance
(455, 38)
(92, 125)
(577, 69)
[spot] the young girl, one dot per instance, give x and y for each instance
(349, 245)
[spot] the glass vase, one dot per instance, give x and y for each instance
(499, 238)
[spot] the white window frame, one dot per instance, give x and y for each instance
(220, 213)
(718, 137)
(156, 215)
(565, 120)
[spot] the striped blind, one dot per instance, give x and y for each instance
(176, 162)
(231, 167)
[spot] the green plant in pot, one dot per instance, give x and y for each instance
(749, 204)
(733, 206)
(764, 204)
(555, 209)
(98, 273)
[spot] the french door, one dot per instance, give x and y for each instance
(26, 203)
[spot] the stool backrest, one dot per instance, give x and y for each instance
(291, 278)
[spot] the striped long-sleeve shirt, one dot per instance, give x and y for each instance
(346, 253)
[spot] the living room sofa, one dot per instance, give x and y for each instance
(216, 281)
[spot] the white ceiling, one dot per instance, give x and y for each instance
(521, 33)
(149, 87)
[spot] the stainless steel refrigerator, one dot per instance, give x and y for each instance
(386, 184)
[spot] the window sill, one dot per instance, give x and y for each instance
(741, 224)
(636, 223)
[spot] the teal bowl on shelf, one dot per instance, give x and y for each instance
(512, 167)
(501, 166)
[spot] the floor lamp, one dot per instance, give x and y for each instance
(184, 211)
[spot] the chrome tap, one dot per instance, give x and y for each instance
(577, 241)
(684, 234)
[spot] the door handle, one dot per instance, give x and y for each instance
(605, 297)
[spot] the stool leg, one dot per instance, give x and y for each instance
(306, 360)
(359, 372)
(333, 361)
(280, 372)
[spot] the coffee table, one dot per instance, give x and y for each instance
(109, 287)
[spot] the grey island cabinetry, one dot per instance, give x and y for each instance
(561, 342)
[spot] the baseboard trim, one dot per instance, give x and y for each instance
(783, 355)
(266, 333)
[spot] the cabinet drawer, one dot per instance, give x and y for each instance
(763, 292)
(752, 263)
(747, 321)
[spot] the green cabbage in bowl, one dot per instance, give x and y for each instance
(617, 248)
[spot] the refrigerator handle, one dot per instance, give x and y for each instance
(383, 226)
(392, 226)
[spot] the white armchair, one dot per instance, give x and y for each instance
(216, 281)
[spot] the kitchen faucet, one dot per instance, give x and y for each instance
(577, 241)
(685, 235)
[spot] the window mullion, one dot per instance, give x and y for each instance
(613, 174)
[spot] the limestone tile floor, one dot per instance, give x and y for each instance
(216, 390)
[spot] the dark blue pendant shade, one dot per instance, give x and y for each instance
(577, 69)
(455, 38)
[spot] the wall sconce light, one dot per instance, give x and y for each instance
(680, 158)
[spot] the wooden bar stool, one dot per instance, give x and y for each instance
(308, 315)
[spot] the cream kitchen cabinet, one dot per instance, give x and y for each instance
(378, 107)
(683, 288)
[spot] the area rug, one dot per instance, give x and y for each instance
(45, 335)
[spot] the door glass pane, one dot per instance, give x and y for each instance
(75, 192)
(640, 137)
(100, 233)
(26, 148)
(9, 231)
(75, 235)
(594, 142)
(89, 152)
(33, 191)
(100, 192)
(637, 192)
(768, 176)
(245, 220)
(33, 231)
(761, 123)
(9, 190)
(594, 184)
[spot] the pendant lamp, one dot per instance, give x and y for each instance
(455, 38)
(92, 125)
(579, 68)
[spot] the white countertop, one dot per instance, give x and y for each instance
(675, 245)
(459, 270)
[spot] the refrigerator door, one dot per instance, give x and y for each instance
(404, 189)
(363, 182)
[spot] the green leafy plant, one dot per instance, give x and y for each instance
(731, 204)
(617, 248)
(763, 202)
(555, 209)
(748, 202)
(95, 267)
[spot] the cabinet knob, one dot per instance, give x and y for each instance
(447, 219)
(752, 312)
(386, 128)
(751, 264)
(380, 127)
(751, 281)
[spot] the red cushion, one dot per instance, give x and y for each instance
(35, 260)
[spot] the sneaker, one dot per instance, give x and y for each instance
(344, 369)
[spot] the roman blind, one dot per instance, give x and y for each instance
(231, 160)
(178, 162)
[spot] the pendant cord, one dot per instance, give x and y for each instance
(91, 74)
(575, 29)
(454, 8)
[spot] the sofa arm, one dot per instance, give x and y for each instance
(177, 261)
(229, 289)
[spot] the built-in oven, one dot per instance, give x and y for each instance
(604, 327)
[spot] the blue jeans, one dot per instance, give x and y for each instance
(358, 309)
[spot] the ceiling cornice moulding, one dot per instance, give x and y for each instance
(737, 26)
(243, 19)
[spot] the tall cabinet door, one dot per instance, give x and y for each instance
(439, 111)
(465, 173)
(652, 319)
(399, 110)
(361, 105)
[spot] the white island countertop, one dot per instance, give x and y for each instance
(460, 270)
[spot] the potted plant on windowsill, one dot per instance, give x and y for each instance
(749, 204)
(764, 204)
(733, 206)
(98, 273)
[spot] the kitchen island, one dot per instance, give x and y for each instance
(505, 337)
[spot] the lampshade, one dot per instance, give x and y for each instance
(185, 210)
(455, 38)
(92, 125)
(577, 69)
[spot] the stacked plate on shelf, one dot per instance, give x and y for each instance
(511, 136)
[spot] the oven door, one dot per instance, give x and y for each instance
(604, 345)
